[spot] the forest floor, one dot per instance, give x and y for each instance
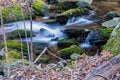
(81, 68)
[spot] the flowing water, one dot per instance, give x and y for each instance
(87, 44)
(45, 32)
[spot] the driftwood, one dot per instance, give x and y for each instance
(105, 71)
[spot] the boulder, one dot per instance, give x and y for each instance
(105, 33)
(44, 60)
(12, 44)
(110, 23)
(66, 52)
(62, 6)
(87, 1)
(45, 33)
(113, 44)
(63, 17)
(75, 56)
(66, 42)
(111, 15)
(75, 33)
(83, 4)
(15, 34)
(38, 7)
(13, 55)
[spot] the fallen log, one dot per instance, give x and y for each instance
(105, 71)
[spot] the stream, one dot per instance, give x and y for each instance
(46, 32)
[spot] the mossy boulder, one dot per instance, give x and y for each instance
(15, 34)
(12, 44)
(15, 62)
(67, 42)
(61, 6)
(9, 14)
(113, 44)
(13, 55)
(72, 13)
(38, 7)
(44, 60)
(37, 52)
(67, 52)
(105, 33)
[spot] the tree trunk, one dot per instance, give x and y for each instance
(105, 71)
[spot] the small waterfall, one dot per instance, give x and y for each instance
(71, 20)
(79, 20)
(46, 13)
(84, 20)
(87, 44)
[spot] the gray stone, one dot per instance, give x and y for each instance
(75, 56)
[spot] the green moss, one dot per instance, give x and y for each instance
(74, 12)
(13, 55)
(37, 52)
(106, 32)
(113, 44)
(12, 44)
(11, 61)
(39, 7)
(44, 60)
(67, 42)
(9, 14)
(61, 6)
(66, 52)
(14, 34)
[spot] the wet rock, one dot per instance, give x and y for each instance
(83, 4)
(55, 39)
(87, 1)
(62, 19)
(75, 33)
(45, 33)
(110, 23)
(111, 15)
(66, 42)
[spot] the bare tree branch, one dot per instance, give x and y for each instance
(5, 42)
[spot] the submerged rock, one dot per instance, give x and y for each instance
(45, 33)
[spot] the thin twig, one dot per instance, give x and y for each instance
(28, 47)
(54, 55)
(40, 55)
